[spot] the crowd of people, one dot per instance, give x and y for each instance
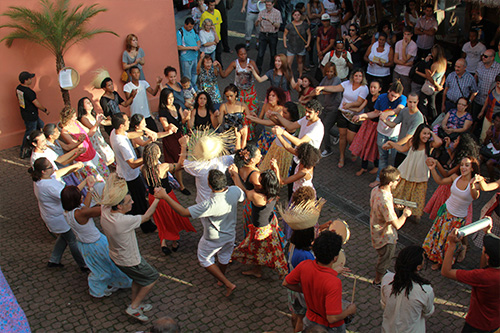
(395, 104)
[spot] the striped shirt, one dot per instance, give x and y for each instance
(486, 79)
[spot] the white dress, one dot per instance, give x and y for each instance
(100, 145)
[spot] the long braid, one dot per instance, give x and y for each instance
(151, 151)
(406, 270)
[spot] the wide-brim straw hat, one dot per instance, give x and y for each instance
(114, 191)
(99, 76)
(304, 215)
(205, 144)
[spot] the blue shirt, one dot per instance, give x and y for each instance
(187, 38)
(383, 102)
(301, 255)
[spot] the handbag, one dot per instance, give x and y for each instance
(124, 76)
(488, 153)
(428, 88)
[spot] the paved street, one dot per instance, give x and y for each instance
(57, 300)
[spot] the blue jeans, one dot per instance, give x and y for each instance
(31, 125)
(386, 157)
(339, 329)
(266, 38)
(188, 69)
(63, 240)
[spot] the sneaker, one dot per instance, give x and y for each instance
(136, 313)
(335, 140)
(326, 153)
(110, 290)
(247, 45)
(54, 264)
(376, 285)
(185, 191)
(145, 307)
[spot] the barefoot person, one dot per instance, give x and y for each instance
(218, 215)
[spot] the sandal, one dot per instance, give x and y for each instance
(360, 172)
(340, 165)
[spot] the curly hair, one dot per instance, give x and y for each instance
(150, 168)
(280, 94)
(303, 193)
(302, 239)
(467, 146)
(308, 155)
(327, 246)
(209, 105)
(243, 156)
(416, 139)
(65, 116)
(406, 270)
(293, 110)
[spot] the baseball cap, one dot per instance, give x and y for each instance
(491, 245)
(325, 17)
(25, 75)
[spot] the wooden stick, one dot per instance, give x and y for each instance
(354, 289)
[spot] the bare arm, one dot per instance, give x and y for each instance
(150, 211)
(179, 209)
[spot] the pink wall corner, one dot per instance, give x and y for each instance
(153, 21)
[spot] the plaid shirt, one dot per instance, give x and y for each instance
(486, 79)
(458, 85)
(268, 18)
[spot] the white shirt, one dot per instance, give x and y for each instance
(48, 193)
(207, 37)
(85, 233)
(405, 314)
(120, 230)
(351, 96)
(331, 8)
(123, 152)
(48, 154)
(375, 69)
(473, 55)
(340, 63)
(314, 131)
(200, 171)
(140, 103)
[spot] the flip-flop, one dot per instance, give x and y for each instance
(340, 165)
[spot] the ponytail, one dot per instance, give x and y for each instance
(38, 167)
(397, 87)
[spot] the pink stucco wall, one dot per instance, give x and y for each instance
(151, 20)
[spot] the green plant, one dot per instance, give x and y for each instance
(56, 27)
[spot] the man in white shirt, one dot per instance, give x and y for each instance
(140, 104)
(405, 53)
(127, 167)
(341, 58)
(472, 51)
(218, 215)
(123, 247)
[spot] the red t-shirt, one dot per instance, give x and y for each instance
(484, 308)
(326, 37)
(322, 291)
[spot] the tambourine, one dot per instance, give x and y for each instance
(340, 263)
(341, 228)
(68, 78)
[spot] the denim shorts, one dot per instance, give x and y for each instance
(302, 53)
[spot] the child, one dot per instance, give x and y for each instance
(384, 222)
(414, 170)
(305, 87)
(189, 92)
(207, 71)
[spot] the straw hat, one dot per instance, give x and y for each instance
(304, 215)
(100, 75)
(114, 191)
(205, 144)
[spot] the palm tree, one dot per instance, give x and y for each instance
(56, 27)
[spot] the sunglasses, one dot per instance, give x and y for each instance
(485, 56)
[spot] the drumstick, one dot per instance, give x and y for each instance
(354, 289)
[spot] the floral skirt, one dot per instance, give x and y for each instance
(102, 147)
(439, 197)
(169, 223)
(103, 270)
(249, 97)
(364, 144)
(265, 141)
(263, 246)
(95, 167)
(247, 216)
(283, 158)
(412, 191)
(435, 243)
